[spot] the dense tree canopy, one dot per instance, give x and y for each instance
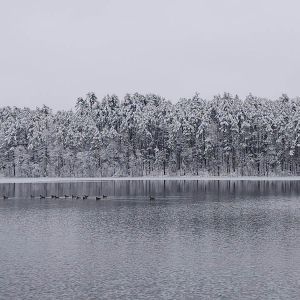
(148, 135)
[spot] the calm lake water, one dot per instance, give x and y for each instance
(197, 240)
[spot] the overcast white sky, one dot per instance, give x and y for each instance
(57, 50)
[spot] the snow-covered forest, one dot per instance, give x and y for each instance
(148, 135)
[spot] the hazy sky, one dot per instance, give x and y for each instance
(57, 50)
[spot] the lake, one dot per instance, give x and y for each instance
(196, 240)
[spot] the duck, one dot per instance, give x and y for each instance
(77, 197)
(84, 197)
(98, 198)
(52, 196)
(5, 197)
(104, 196)
(42, 197)
(151, 198)
(67, 196)
(73, 196)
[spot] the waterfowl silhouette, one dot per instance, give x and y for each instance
(77, 197)
(84, 197)
(73, 196)
(98, 198)
(104, 196)
(67, 196)
(5, 197)
(151, 198)
(52, 196)
(42, 197)
(56, 197)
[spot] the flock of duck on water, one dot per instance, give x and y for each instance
(84, 197)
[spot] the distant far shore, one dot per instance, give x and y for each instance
(189, 178)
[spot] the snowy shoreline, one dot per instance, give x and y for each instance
(152, 178)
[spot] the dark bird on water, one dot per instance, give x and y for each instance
(151, 198)
(73, 196)
(52, 196)
(56, 197)
(98, 198)
(104, 196)
(67, 196)
(5, 197)
(84, 197)
(77, 197)
(42, 197)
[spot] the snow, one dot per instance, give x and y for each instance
(189, 178)
(148, 135)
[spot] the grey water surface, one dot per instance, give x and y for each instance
(196, 240)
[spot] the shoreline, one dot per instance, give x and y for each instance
(150, 178)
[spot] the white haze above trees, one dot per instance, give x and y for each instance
(147, 135)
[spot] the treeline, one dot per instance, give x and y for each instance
(148, 135)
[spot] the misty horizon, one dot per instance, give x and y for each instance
(196, 95)
(54, 52)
